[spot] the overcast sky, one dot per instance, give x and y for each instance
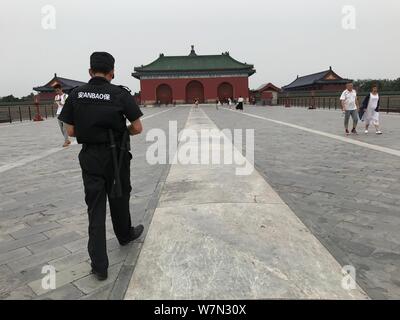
(281, 38)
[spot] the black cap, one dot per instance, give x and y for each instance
(102, 62)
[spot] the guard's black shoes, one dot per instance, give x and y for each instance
(101, 276)
(136, 232)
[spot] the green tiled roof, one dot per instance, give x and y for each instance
(194, 62)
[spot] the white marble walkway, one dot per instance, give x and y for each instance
(218, 235)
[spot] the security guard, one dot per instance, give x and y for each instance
(96, 114)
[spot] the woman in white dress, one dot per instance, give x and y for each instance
(370, 110)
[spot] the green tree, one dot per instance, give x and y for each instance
(29, 97)
(9, 98)
(365, 85)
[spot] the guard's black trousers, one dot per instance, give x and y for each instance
(98, 176)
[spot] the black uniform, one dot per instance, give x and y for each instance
(94, 109)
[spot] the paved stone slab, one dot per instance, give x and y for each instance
(67, 292)
(121, 283)
(331, 121)
(21, 293)
(70, 260)
(13, 255)
(5, 237)
(234, 250)
(35, 229)
(24, 142)
(133, 254)
(54, 242)
(182, 187)
(15, 244)
(39, 259)
(77, 245)
(32, 273)
(63, 277)
(33, 209)
(89, 283)
(8, 281)
(347, 203)
(351, 206)
(102, 293)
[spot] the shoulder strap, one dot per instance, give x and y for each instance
(125, 88)
(72, 89)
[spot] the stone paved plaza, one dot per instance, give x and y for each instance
(317, 201)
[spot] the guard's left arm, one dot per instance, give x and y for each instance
(135, 127)
(133, 113)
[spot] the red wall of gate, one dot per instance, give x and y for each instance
(149, 88)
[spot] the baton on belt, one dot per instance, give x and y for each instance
(116, 190)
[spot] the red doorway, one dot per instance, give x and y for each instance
(194, 90)
(225, 91)
(164, 94)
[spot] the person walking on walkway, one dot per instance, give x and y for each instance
(350, 107)
(240, 103)
(96, 113)
(369, 111)
(59, 101)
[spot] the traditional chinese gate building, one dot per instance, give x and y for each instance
(326, 80)
(267, 94)
(46, 91)
(182, 79)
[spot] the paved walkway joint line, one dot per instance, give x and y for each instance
(49, 152)
(325, 134)
(216, 235)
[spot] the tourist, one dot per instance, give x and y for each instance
(59, 101)
(369, 111)
(350, 107)
(196, 103)
(239, 106)
(230, 103)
